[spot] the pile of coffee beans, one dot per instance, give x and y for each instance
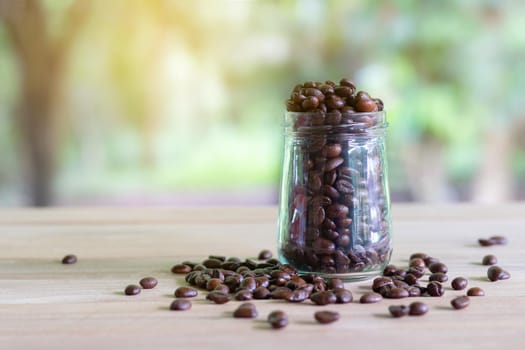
(334, 215)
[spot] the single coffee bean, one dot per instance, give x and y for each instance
(459, 283)
(278, 319)
(265, 254)
(132, 289)
(414, 291)
(213, 283)
(396, 293)
(485, 242)
(323, 298)
(218, 297)
(222, 258)
(180, 305)
(343, 296)
(222, 288)
(185, 292)
(245, 310)
(298, 295)
(380, 282)
(438, 277)
(370, 297)
(435, 289)
(243, 295)
(438, 267)
(422, 256)
(181, 268)
(495, 273)
(460, 302)
(417, 308)
(261, 293)
(212, 263)
(489, 260)
(410, 279)
(325, 317)
(429, 260)
(398, 310)
(475, 292)
(417, 263)
(69, 259)
(389, 270)
(280, 293)
(335, 283)
(148, 282)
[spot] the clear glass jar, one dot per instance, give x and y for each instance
(334, 206)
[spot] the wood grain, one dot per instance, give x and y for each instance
(47, 305)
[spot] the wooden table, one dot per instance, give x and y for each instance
(47, 305)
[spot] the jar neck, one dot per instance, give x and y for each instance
(335, 123)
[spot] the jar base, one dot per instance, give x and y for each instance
(347, 277)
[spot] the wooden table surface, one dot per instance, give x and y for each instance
(47, 305)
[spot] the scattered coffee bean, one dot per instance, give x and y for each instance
(370, 297)
(494, 240)
(298, 295)
(459, 283)
(222, 288)
(417, 308)
(261, 293)
(485, 242)
(435, 289)
(243, 295)
(438, 267)
(325, 317)
(265, 254)
(69, 259)
(489, 260)
(396, 293)
(278, 319)
(132, 289)
(460, 302)
(323, 298)
(438, 277)
(422, 256)
(218, 297)
(398, 310)
(148, 282)
(245, 310)
(185, 292)
(495, 273)
(475, 292)
(180, 305)
(343, 296)
(181, 268)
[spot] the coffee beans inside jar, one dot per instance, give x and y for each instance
(334, 216)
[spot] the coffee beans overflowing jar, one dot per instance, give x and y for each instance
(334, 211)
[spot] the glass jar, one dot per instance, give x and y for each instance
(334, 205)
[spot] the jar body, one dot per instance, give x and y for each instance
(334, 205)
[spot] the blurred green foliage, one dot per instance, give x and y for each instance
(168, 96)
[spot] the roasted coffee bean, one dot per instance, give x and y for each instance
(495, 273)
(429, 260)
(212, 263)
(222, 288)
(389, 270)
(460, 302)
(185, 292)
(417, 308)
(489, 260)
(323, 298)
(370, 297)
(485, 242)
(335, 283)
(438, 267)
(499, 240)
(280, 293)
(243, 295)
(69, 259)
(410, 279)
(181, 268)
(475, 292)
(414, 291)
(261, 293)
(435, 289)
(180, 305)
(245, 310)
(278, 319)
(297, 295)
(248, 283)
(326, 316)
(218, 297)
(148, 282)
(417, 263)
(438, 277)
(265, 254)
(417, 272)
(366, 105)
(222, 258)
(132, 289)
(396, 293)
(213, 283)
(343, 296)
(380, 282)
(398, 310)
(459, 283)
